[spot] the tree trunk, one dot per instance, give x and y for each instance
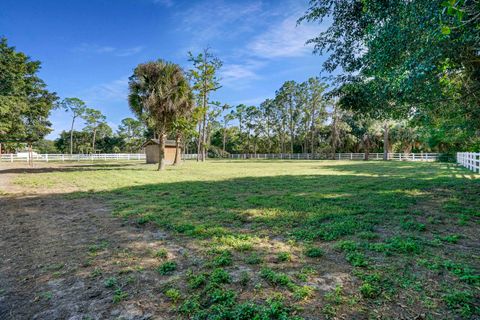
(30, 155)
(71, 136)
(0, 149)
(204, 137)
(224, 138)
(94, 138)
(199, 143)
(178, 156)
(367, 148)
(161, 151)
(385, 141)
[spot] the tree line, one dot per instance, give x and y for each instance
(402, 86)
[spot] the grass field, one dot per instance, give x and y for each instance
(287, 239)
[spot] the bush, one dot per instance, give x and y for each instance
(167, 267)
(173, 294)
(313, 252)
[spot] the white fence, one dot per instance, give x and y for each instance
(470, 160)
(72, 157)
(23, 157)
(339, 156)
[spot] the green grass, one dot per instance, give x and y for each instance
(405, 232)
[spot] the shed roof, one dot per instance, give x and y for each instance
(168, 143)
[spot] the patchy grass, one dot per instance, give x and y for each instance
(293, 239)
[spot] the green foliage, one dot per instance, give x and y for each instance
(357, 259)
(25, 103)
(219, 276)
(275, 278)
(167, 267)
(314, 252)
(196, 280)
(111, 282)
(173, 294)
(462, 301)
(425, 71)
(119, 295)
(303, 292)
(161, 94)
(284, 256)
(254, 258)
(222, 259)
(161, 253)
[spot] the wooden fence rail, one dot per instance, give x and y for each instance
(470, 160)
(339, 156)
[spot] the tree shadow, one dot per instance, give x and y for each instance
(189, 218)
(62, 167)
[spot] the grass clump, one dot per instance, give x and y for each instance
(196, 280)
(275, 278)
(284, 256)
(119, 295)
(167, 267)
(161, 253)
(254, 258)
(223, 258)
(111, 282)
(219, 276)
(173, 294)
(314, 252)
(461, 301)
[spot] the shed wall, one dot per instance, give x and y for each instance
(151, 152)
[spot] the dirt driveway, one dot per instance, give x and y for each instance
(55, 254)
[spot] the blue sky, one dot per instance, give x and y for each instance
(88, 48)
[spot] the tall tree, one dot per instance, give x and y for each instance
(397, 68)
(93, 119)
(77, 107)
(132, 131)
(226, 118)
(160, 90)
(205, 81)
(25, 102)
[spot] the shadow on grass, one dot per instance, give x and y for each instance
(364, 198)
(72, 167)
(308, 207)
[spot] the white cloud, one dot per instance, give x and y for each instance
(251, 101)
(284, 39)
(220, 18)
(116, 90)
(165, 3)
(97, 49)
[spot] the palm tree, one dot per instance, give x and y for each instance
(160, 90)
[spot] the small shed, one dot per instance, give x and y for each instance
(152, 149)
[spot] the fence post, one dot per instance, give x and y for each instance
(11, 157)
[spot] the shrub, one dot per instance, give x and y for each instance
(219, 276)
(284, 256)
(314, 252)
(254, 258)
(167, 267)
(173, 294)
(111, 282)
(161, 253)
(275, 278)
(119, 295)
(302, 292)
(196, 281)
(357, 259)
(369, 290)
(223, 259)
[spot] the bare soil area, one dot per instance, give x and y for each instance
(55, 253)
